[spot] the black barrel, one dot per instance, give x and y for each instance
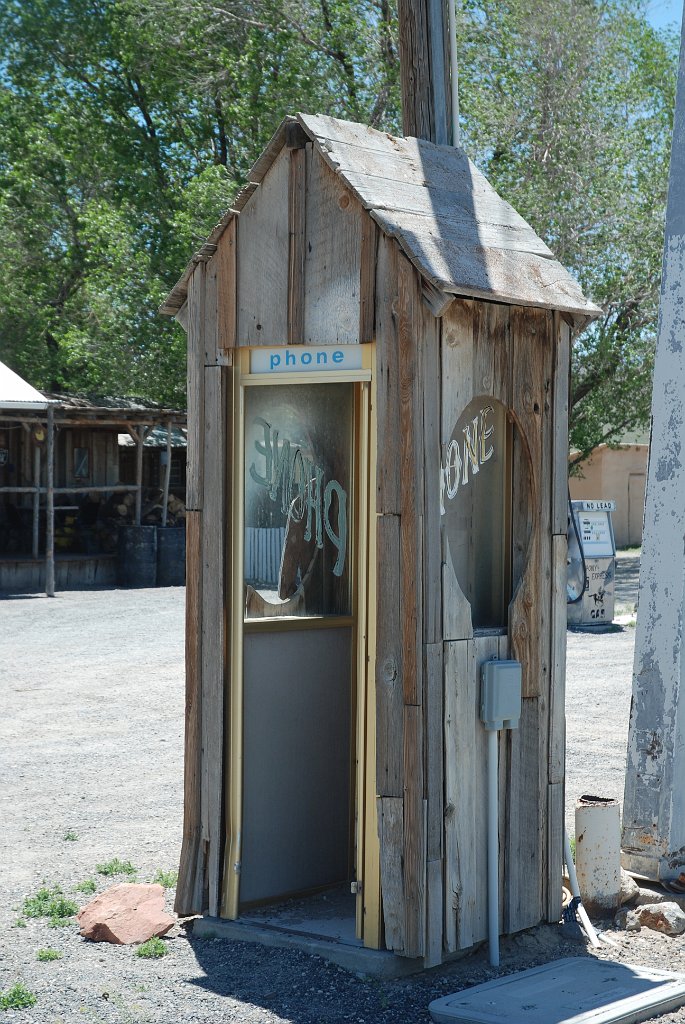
(137, 556)
(171, 556)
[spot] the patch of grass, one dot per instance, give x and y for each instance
(87, 886)
(59, 922)
(16, 998)
(166, 878)
(48, 954)
(152, 949)
(20, 923)
(50, 903)
(70, 836)
(116, 867)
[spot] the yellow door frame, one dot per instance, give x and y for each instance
(367, 852)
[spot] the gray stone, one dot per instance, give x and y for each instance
(627, 920)
(646, 896)
(630, 890)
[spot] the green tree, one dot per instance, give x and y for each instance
(125, 130)
(126, 127)
(569, 114)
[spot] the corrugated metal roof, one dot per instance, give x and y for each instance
(16, 393)
(461, 236)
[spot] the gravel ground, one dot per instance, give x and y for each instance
(91, 748)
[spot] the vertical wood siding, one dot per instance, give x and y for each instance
(304, 264)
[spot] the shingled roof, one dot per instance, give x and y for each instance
(461, 236)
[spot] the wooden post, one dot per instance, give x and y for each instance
(424, 70)
(139, 436)
(50, 507)
(36, 498)
(167, 473)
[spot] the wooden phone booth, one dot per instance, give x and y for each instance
(378, 373)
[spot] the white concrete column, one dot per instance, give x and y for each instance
(653, 837)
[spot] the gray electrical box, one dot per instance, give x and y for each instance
(591, 578)
(500, 694)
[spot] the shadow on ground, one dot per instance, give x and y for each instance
(306, 989)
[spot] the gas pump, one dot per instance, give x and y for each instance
(591, 563)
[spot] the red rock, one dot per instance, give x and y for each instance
(124, 914)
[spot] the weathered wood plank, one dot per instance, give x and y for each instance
(409, 316)
(529, 613)
(465, 793)
(296, 250)
(527, 807)
(210, 332)
(555, 847)
(225, 261)
(387, 380)
(391, 830)
(561, 341)
(414, 846)
(367, 279)
(263, 246)
(429, 355)
(213, 638)
(457, 219)
(434, 913)
(332, 258)
(457, 346)
(195, 456)
(190, 884)
(389, 667)
(489, 273)
(434, 724)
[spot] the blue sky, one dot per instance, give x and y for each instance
(664, 12)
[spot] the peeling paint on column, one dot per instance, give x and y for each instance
(653, 837)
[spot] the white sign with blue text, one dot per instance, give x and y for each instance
(306, 359)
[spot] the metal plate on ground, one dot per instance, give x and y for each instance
(577, 990)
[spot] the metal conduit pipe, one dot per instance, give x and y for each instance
(493, 848)
(500, 708)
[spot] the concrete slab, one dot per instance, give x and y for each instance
(327, 915)
(580, 990)
(366, 963)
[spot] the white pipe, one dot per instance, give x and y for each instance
(573, 879)
(454, 71)
(493, 849)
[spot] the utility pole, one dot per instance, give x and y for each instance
(653, 840)
(428, 93)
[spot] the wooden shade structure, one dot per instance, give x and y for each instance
(349, 237)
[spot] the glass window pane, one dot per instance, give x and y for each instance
(298, 502)
(476, 503)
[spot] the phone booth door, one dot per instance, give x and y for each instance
(301, 470)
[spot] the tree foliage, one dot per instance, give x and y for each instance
(126, 126)
(570, 115)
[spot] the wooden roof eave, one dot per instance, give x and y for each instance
(527, 268)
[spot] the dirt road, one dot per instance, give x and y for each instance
(91, 769)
